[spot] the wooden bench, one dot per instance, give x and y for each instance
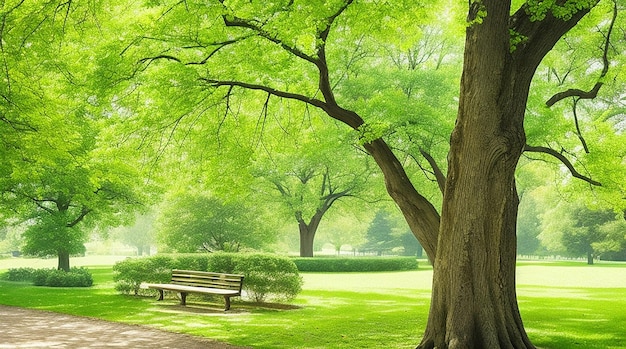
(190, 281)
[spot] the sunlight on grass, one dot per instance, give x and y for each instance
(355, 310)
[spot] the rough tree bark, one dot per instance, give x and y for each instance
(307, 232)
(63, 261)
(474, 303)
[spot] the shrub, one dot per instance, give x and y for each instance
(355, 264)
(266, 276)
(191, 261)
(76, 277)
(20, 274)
(224, 262)
(130, 273)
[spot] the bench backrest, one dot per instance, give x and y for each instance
(207, 279)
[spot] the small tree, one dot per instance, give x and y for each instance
(380, 234)
(139, 235)
(52, 235)
(194, 222)
(587, 232)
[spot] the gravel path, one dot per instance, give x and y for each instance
(26, 328)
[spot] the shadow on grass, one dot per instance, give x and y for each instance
(593, 318)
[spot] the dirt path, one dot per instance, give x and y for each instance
(25, 328)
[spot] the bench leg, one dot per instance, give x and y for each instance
(183, 298)
(227, 301)
(160, 295)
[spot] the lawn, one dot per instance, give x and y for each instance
(563, 306)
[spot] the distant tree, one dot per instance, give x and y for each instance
(344, 228)
(10, 238)
(192, 222)
(308, 181)
(139, 235)
(410, 244)
(528, 227)
(379, 236)
(587, 231)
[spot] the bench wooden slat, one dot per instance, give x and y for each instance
(192, 281)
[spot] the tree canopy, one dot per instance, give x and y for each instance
(451, 125)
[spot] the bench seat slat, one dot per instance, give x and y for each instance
(193, 289)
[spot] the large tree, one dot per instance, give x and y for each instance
(60, 167)
(297, 48)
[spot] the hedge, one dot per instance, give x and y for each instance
(76, 277)
(266, 275)
(354, 264)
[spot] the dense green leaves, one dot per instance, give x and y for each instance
(193, 221)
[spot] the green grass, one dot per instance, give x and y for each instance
(347, 311)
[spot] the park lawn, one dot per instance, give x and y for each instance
(339, 311)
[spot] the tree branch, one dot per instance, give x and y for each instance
(278, 93)
(154, 58)
(232, 21)
(577, 125)
(441, 178)
(83, 212)
(593, 93)
(564, 160)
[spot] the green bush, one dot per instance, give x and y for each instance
(355, 264)
(20, 274)
(269, 276)
(224, 262)
(130, 273)
(191, 261)
(266, 276)
(76, 277)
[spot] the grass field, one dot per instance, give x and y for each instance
(564, 305)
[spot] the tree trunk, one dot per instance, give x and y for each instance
(308, 231)
(590, 257)
(64, 261)
(474, 302)
(306, 241)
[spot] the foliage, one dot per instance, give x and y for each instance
(299, 171)
(50, 235)
(20, 274)
(528, 227)
(57, 164)
(266, 276)
(572, 228)
(269, 276)
(586, 233)
(388, 234)
(76, 277)
(130, 273)
(194, 221)
(355, 264)
(379, 234)
(380, 65)
(139, 235)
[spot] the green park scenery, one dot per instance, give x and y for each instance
(467, 133)
(564, 305)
